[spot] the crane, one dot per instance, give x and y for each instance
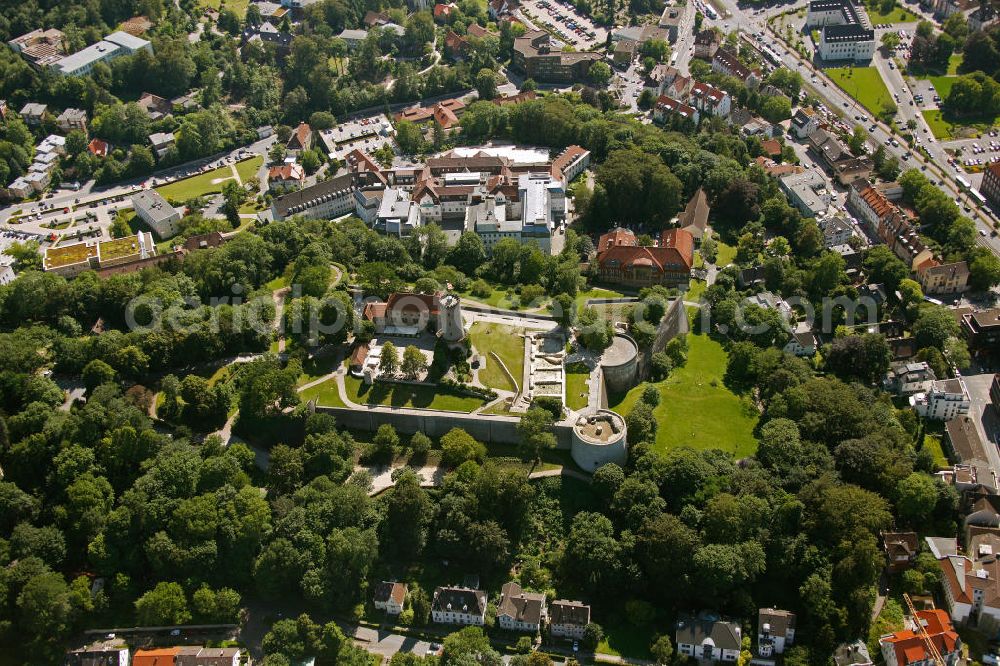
(928, 642)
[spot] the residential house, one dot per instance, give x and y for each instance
(155, 211)
(620, 259)
(72, 119)
(537, 57)
(971, 582)
(694, 218)
(889, 223)
(99, 148)
(775, 631)
(101, 652)
(389, 596)
(706, 43)
(455, 46)
(907, 647)
(804, 122)
(708, 639)
(901, 550)
(268, 33)
(837, 229)
(161, 142)
(458, 605)
(982, 332)
(568, 619)
(500, 9)
(952, 278)
(667, 107)
(519, 610)
(33, 113)
(300, 140)
(945, 400)
(767, 300)
(907, 378)
(845, 167)
(285, 177)
(442, 11)
(156, 107)
(624, 53)
(710, 100)
(802, 343)
(726, 62)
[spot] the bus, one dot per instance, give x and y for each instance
(963, 183)
(673, 59)
(980, 199)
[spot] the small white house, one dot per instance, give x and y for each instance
(707, 639)
(568, 619)
(459, 605)
(775, 631)
(519, 610)
(389, 597)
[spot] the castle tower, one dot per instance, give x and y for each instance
(450, 324)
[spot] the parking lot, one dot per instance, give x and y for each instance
(562, 19)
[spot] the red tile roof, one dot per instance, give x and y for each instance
(675, 250)
(909, 646)
(301, 137)
(99, 148)
(157, 657)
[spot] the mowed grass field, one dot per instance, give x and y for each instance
(390, 395)
(695, 408)
(210, 182)
(507, 343)
(863, 84)
(577, 392)
(898, 14)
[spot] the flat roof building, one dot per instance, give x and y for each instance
(155, 211)
(113, 46)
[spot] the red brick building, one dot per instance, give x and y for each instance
(621, 260)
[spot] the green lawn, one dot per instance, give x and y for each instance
(596, 292)
(695, 408)
(324, 393)
(897, 15)
(943, 84)
(209, 182)
(499, 298)
(696, 290)
(405, 395)
(248, 168)
(507, 343)
(577, 392)
(622, 639)
(316, 367)
(863, 84)
(725, 254)
(940, 127)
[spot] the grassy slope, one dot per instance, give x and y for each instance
(576, 386)
(507, 343)
(694, 412)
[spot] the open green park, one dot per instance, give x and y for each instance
(210, 182)
(507, 343)
(696, 409)
(864, 84)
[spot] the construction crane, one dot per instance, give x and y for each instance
(928, 642)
